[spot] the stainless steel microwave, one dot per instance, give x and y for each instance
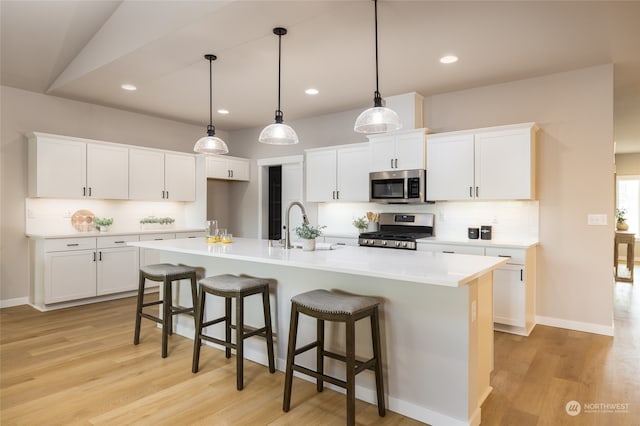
(398, 186)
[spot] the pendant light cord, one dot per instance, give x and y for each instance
(279, 66)
(377, 99)
(210, 93)
(279, 32)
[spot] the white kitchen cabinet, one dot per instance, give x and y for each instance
(70, 275)
(514, 284)
(150, 257)
(402, 150)
(452, 248)
(117, 264)
(339, 173)
(64, 167)
(227, 168)
(78, 268)
(483, 164)
(156, 175)
(514, 291)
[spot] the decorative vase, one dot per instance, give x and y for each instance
(102, 228)
(622, 226)
(308, 244)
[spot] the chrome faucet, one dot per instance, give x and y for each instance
(287, 240)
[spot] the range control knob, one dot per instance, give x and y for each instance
(384, 243)
(397, 243)
(404, 245)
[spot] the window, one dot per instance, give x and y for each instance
(628, 198)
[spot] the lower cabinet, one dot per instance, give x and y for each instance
(77, 268)
(69, 275)
(514, 291)
(117, 265)
(514, 284)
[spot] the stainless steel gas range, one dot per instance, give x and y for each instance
(399, 230)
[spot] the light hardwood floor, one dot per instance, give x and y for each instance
(79, 366)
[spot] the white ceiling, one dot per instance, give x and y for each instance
(85, 50)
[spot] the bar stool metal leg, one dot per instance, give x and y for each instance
(227, 325)
(167, 323)
(239, 341)
(141, 281)
(377, 350)
(197, 339)
(320, 354)
(288, 378)
(266, 307)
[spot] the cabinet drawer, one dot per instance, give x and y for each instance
(517, 255)
(65, 244)
(452, 248)
(115, 241)
(152, 237)
(199, 234)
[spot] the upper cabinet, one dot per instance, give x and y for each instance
(402, 150)
(63, 167)
(496, 163)
(158, 175)
(227, 167)
(339, 173)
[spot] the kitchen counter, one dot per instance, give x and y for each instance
(404, 265)
(436, 316)
(78, 234)
(501, 243)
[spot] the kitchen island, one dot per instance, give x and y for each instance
(436, 316)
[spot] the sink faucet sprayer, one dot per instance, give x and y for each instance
(287, 241)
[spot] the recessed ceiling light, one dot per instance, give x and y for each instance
(223, 111)
(311, 91)
(449, 59)
(129, 87)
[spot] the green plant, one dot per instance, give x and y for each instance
(309, 232)
(361, 223)
(160, 220)
(103, 221)
(621, 215)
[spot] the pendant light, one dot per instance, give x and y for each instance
(378, 119)
(278, 133)
(210, 144)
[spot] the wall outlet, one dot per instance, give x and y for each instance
(31, 214)
(67, 214)
(596, 219)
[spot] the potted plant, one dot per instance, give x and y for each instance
(103, 223)
(621, 217)
(309, 233)
(361, 224)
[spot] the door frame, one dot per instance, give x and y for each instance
(263, 187)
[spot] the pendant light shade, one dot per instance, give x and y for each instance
(278, 133)
(378, 119)
(210, 144)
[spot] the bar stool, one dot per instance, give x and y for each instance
(167, 274)
(326, 306)
(233, 287)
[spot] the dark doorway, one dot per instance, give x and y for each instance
(275, 202)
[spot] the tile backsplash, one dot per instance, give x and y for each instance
(53, 216)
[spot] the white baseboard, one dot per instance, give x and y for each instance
(576, 325)
(7, 303)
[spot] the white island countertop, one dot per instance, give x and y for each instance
(442, 269)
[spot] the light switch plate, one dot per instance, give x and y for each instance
(597, 219)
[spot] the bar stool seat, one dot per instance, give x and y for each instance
(166, 273)
(327, 306)
(233, 287)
